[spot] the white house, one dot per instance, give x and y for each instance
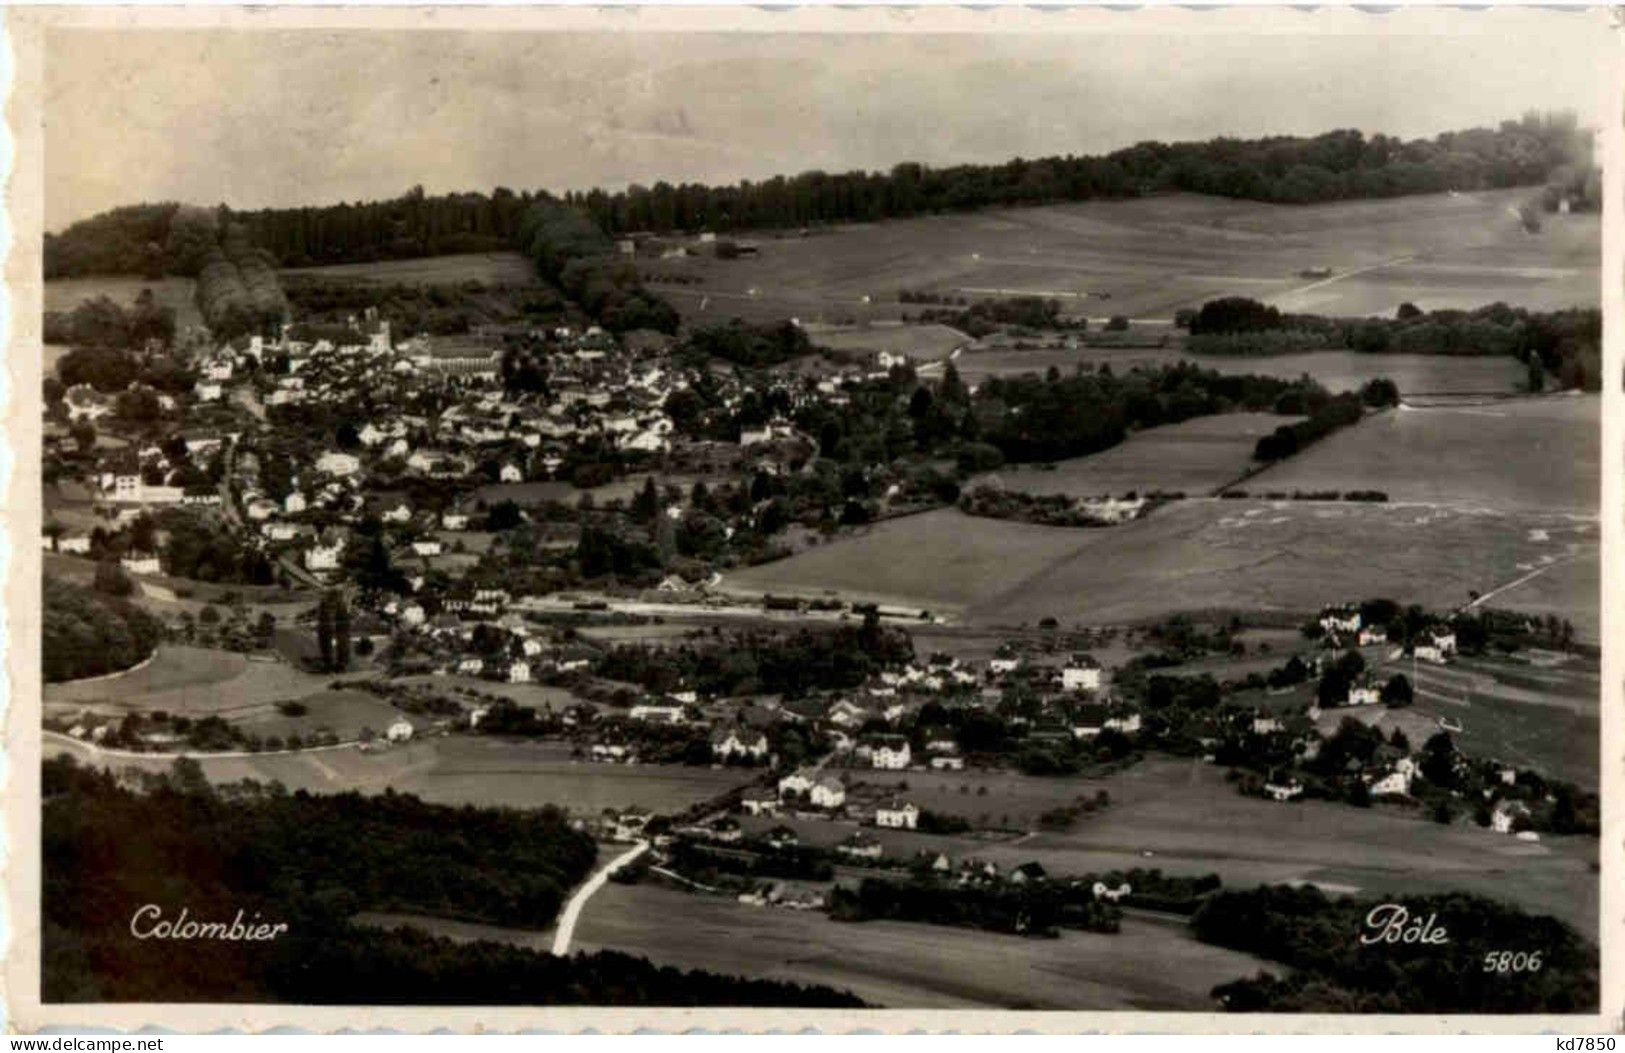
(339, 464)
(510, 473)
(80, 544)
(518, 672)
(1506, 814)
(827, 793)
(1397, 782)
(1364, 695)
(1373, 634)
(1283, 791)
(1079, 675)
(454, 521)
(140, 563)
(892, 755)
(399, 731)
(324, 556)
(657, 714)
(897, 816)
(735, 743)
(1340, 621)
(1106, 892)
(1127, 723)
(401, 512)
(428, 547)
(294, 502)
(798, 782)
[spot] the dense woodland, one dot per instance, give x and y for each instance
(313, 862)
(1538, 149)
(1318, 938)
(93, 632)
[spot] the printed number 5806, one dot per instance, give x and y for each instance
(1510, 962)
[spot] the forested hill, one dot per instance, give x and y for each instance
(1293, 170)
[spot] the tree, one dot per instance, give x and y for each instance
(341, 635)
(646, 505)
(1397, 692)
(111, 579)
(325, 628)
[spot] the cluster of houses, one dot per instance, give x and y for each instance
(1344, 626)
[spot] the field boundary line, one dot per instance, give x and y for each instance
(224, 755)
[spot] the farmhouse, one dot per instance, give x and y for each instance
(1340, 620)
(860, 846)
(890, 752)
(1081, 674)
(1396, 783)
(140, 563)
(1283, 791)
(799, 783)
(726, 745)
(1364, 695)
(1505, 818)
(657, 714)
(400, 731)
(897, 815)
(827, 793)
(759, 802)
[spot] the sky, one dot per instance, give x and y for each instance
(272, 117)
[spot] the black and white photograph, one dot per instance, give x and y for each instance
(974, 511)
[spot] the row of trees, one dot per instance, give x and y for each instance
(238, 290)
(571, 251)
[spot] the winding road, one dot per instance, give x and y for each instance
(572, 910)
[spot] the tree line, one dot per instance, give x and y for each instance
(1566, 344)
(1338, 165)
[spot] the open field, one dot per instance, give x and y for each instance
(1004, 799)
(1195, 457)
(1147, 258)
(191, 681)
(1148, 965)
(64, 294)
(1193, 555)
(1183, 817)
(492, 268)
(1297, 556)
(1541, 454)
(1542, 718)
(461, 769)
(345, 713)
(1335, 370)
(940, 559)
